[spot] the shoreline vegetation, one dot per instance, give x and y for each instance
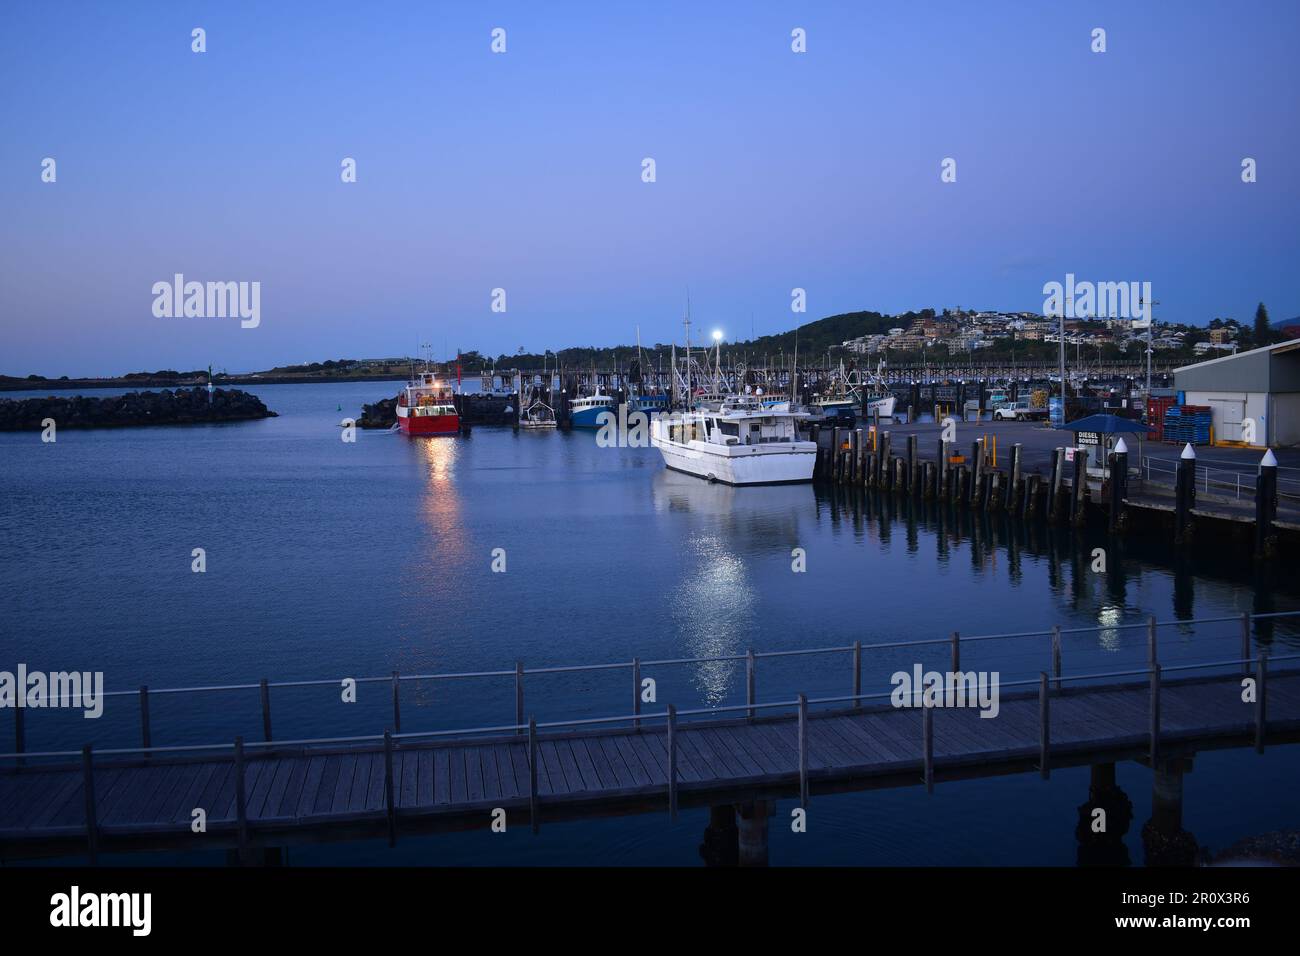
(816, 341)
(185, 406)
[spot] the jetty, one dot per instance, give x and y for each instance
(258, 796)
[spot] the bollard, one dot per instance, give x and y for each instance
(1265, 504)
(1184, 495)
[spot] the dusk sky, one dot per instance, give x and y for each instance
(522, 170)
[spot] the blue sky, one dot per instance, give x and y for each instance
(522, 171)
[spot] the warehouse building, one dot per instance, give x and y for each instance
(1260, 386)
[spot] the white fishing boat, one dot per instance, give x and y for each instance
(740, 442)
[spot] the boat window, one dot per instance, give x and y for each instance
(730, 428)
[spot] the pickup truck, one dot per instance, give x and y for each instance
(1018, 411)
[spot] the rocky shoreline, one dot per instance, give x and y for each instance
(183, 406)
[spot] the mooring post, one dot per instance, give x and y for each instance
(397, 704)
(882, 462)
(750, 679)
(1015, 488)
(1261, 677)
(1265, 504)
(927, 746)
(976, 467)
(1184, 494)
(1077, 486)
(92, 821)
(1155, 712)
(911, 464)
(145, 736)
(266, 709)
(1044, 728)
(532, 775)
(519, 697)
(857, 674)
(956, 651)
(1054, 489)
(672, 762)
(389, 805)
(1031, 496)
(803, 751)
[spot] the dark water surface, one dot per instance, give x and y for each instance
(331, 560)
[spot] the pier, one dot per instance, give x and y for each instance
(258, 796)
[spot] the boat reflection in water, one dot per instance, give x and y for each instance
(714, 605)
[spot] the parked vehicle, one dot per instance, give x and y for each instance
(1018, 411)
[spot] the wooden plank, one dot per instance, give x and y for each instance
(424, 794)
(410, 789)
(519, 764)
(329, 781)
(183, 810)
(719, 768)
(340, 799)
(375, 794)
(162, 807)
(852, 728)
(652, 758)
(491, 777)
(360, 788)
(604, 772)
(640, 775)
(586, 769)
(824, 743)
(265, 781)
(211, 800)
(574, 780)
(124, 800)
(550, 775)
(506, 773)
(459, 781)
(283, 800)
(687, 772)
(688, 747)
(622, 775)
(65, 787)
(442, 776)
(737, 751)
(474, 786)
(311, 786)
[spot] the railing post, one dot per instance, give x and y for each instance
(803, 751)
(1155, 713)
(1044, 727)
(672, 762)
(397, 704)
(1261, 676)
(519, 697)
(388, 789)
(1152, 656)
(749, 684)
(927, 746)
(92, 822)
(636, 692)
(857, 673)
(1056, 654)
(266, 710)
(1245, 642)
(532, 774)
(956, 652)
(146, 738)
(241, 800)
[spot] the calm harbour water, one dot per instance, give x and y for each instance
(331, 560)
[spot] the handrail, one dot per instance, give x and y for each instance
(750, 706)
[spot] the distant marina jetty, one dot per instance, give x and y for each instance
(183, 406)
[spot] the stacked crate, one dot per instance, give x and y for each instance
(1157, 405)
(1187, 423)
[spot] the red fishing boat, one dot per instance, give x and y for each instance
(427, 406)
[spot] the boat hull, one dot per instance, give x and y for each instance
(430, 424)
(741, 464)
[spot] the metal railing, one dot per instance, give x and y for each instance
(1226, 481)
(1256, 666)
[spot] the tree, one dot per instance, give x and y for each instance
(1262, 332)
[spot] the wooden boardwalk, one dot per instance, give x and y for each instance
(309, 794)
